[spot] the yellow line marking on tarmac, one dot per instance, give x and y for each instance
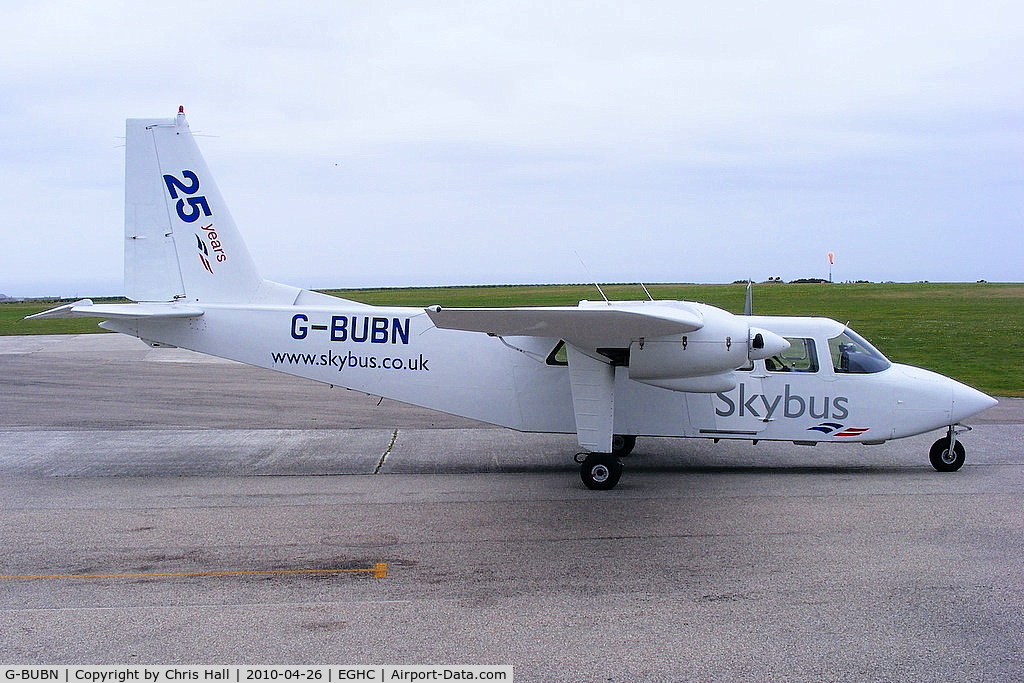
(379, 571)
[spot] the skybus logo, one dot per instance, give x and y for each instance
(790, 404)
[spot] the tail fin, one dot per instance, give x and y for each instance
(181, 244)
(180, 240)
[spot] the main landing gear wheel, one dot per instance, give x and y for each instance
(623, 444)
(601, 471)
(945, 459)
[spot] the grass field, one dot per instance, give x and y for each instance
(967, 331)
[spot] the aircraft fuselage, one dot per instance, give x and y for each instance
(516, 382)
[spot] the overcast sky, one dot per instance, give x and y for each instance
(416, 143)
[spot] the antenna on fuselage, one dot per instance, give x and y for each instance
(583, 263)
(748, 304)
(646, 292)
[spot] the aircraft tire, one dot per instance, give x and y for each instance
(943, 460)
(601, 471)
(623, 444)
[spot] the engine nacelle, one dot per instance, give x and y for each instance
(705, 358)
(719, 346)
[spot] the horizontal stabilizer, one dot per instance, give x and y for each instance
(85, 308)
(587, 324)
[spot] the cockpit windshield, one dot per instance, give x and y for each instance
(851, 353)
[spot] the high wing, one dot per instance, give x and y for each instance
(589, 325)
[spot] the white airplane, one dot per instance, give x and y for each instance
(606, 371)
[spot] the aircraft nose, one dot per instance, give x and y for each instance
(968, 401)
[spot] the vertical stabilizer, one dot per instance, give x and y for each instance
(180, 240)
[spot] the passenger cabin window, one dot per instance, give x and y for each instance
(801, 356)
(852, 354)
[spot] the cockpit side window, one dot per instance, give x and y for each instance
(801, 356)
(852, 354)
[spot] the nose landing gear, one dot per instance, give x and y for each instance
(948, 454)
